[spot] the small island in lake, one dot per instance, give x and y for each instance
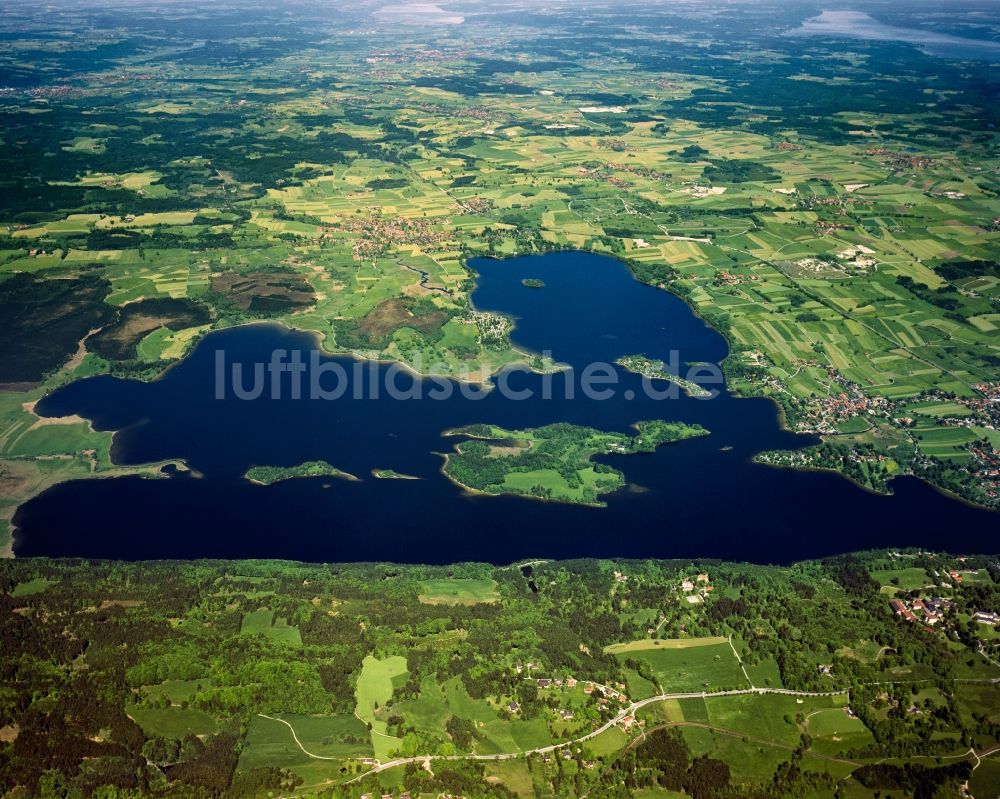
(268, 475)
(656, 370)
(553, 462)
(391, 474)
(533, 283)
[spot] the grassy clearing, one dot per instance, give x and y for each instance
(611, 740)
(262, 622)
(765, 674)
(429, 712)
(35, 586)
(664, 643)
(513, 774)
(375, 685)
(986, 779)
(834, 732)
(328, 736)
(270, 744)
(705, 665)
(903, 579)
(173, 722)
(769, 716)
(458, 591)
(176, 691)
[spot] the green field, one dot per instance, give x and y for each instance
(173, 722)
(685, 665)
(263, 622)
(374, 688)
(658, 644)
(30, 587)
(906, 579)
(456, 591)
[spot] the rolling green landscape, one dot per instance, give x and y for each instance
(548, 679)
(816, 187)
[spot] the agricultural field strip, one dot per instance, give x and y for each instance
(764, 741)
(297, 741)
(740, 661)
(627, 711)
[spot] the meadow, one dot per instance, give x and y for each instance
(685, 665)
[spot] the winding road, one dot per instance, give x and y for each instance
(629, 710)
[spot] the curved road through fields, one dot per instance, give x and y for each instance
(626, 711)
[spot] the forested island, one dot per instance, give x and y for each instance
(553, 462)
(392, 474)
(657, 370)
(268, 475)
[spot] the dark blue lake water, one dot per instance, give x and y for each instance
(696, 498)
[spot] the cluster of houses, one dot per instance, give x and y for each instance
(696, 590)
(376, 233)
(898, 160)
(405, 795)
(608, 693)
(929, 611)
(557, 682)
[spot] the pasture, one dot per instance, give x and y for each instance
(684, 665)
(378, 680)
(458, 591)
(173, 722)
(263, 622)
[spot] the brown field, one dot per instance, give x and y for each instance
(265, 291)
(137, 320)
(390, 315)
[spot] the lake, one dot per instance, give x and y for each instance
(702, 497)
(858, 25)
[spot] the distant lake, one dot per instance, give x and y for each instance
(858, 25)
(702, 497)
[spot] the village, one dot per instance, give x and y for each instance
(942, 610)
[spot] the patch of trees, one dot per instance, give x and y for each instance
(134, 321)
(692, 152)
(663, 760)
(211, 766)
(959, 270)
(852, 575)
(155, 239)
(725, 607)
(388, 183)
(462, 732)
(454, 779)
(42, 322)
(738, 170)
(921, 782)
